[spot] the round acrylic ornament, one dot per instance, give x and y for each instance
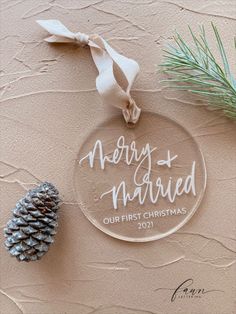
(139, 184)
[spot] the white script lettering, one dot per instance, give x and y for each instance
(145, 187)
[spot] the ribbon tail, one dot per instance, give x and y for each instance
(58, 39)
(55, 27)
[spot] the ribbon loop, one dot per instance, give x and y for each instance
(116, 72)
(131, 113)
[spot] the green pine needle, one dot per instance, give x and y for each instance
(196, 70)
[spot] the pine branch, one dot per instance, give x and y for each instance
(195, 69)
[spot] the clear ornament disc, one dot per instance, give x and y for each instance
(139, 184)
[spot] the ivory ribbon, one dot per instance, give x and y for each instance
(116, 72)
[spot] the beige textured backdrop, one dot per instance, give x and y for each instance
(49, 103)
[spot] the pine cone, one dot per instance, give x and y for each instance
(30, 232)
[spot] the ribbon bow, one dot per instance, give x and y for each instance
(116, 72)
